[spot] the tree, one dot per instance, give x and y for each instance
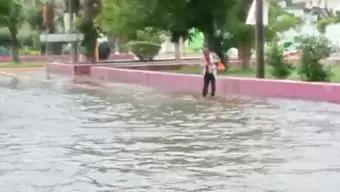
(243, 36)
(75, 6)
(279, 21)
(12, 19)
(4, 7)
(177, 17)
(221, 21)
(314, 49)
(87, 26)
(119, 18)
(34, 15)
(324, 22)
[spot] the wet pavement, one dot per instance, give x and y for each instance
(62, 137)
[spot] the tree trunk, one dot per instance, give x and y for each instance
(177, 50)
(244, 54)
(15, 44)
(117, 46)
(91, 10)
(15, 54)
(182, 47)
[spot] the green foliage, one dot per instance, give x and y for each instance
(92, 8)
(145, 51)
(26, 37)
(4, 51)
(90, 37)
(13, 20)
(222, 22)
(5, 37)
(27, 51)
(196, 41)
(314, 49)
(149, 34)
(75, 5)
(121, 18)
(240, 33)
(324, 22)
(281, 69)
(177, 17)
(35, 17)
(4, 7)
(279, 20)
(87, 26)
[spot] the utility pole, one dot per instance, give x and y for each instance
(74, 44)
(260, 71)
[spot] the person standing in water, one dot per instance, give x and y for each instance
(209, 72)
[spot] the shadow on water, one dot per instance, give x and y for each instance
(59, 136)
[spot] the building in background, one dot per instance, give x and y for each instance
(310, 12)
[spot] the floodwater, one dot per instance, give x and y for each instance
(62, 137)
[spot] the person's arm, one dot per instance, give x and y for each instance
(203, 62)
(215, 58)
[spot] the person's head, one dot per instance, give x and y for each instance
(206, 51)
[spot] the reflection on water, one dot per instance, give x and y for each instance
(66, 138)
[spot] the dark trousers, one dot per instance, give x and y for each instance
(207, 79)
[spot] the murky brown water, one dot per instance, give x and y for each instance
(64, 138)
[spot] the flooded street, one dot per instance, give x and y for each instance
(74, 138)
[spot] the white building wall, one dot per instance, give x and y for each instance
(332, 33)
(332, 4)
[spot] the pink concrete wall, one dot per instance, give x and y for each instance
(182, 83)
(122, 56)
(69, 69)
(286, 89)
(41, 58)
(225, 86)
(61, 68)
(28, 58)
(36, 58)
(120, 75)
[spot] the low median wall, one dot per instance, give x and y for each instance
(69, 69)
(43, 58)
(173, 82)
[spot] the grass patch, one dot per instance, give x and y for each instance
(335, 74)
(234, 72)
(23, 65)
(251, 72)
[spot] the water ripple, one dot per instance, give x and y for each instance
(69, 138)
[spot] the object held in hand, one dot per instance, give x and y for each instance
(221, 67)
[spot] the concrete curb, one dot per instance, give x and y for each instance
(328, 92)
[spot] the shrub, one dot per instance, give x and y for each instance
(324, 22)
(29, 38)
(145, 51)
(314, 49)
(104, 50)
(281, 69)
(149, 34)
(28, 51)
(5, 37)
(4, 51)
